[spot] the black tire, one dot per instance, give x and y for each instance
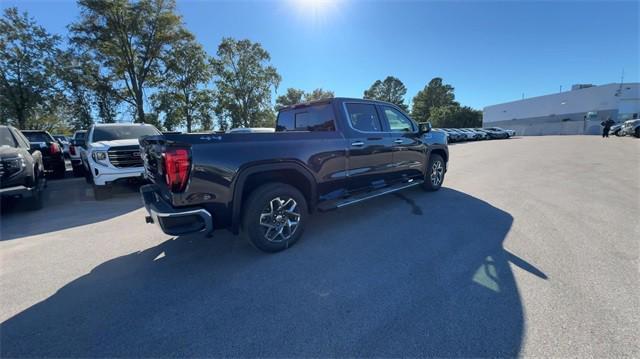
(88, 177)
(60, 172)
(637, 133)
(618, 133)
(434, 176)
(257, 209)
(36, 201)
(100, 193)
(78, 171)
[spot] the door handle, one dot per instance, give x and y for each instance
(398, 141)
(357, 143)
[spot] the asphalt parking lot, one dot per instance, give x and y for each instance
(530, 249)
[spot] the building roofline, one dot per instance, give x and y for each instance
(569, 91)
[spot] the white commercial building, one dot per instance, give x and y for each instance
(579, 111)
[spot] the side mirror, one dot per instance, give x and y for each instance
(424, 127)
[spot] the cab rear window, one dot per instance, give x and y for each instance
(38, 136)
(313, 118)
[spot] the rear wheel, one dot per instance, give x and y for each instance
(637, 132)
(274, 217)
(435, 173)
(60, 171)
(35, 202)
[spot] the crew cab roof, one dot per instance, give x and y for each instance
(334, 99)
(120, 124)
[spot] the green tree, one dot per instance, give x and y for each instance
(318, 94)
(390, 90)
(75, 73)
(291, 97)
(295, 96)
(27, 62)
(244, 81)
(105, 98)
(188, 70)
(205, 108)
(454, 116)
(435, 94)
(131, 40)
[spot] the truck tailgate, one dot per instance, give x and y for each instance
(151, 150)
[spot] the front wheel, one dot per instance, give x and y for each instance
(637, 132)
(274, 217)
(435, 173)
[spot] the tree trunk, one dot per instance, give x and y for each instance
(188, 112)
(22, 121)
(140, 107)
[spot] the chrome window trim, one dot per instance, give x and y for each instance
(346, 112)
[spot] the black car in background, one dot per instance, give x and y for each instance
(21, 168)
(76, 143)
(52, 153)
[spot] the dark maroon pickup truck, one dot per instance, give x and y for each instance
(323, 155)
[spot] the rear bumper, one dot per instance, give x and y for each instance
(172, 221)
(16, 191)
(53, 163)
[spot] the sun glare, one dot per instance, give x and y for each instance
(318, 10)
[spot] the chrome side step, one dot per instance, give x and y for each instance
(335, 204)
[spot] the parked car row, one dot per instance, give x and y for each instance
(627, 128)
(22, 168)
(103, 154)
(475, 134)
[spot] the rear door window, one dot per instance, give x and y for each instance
(313, 118)
(364, 117)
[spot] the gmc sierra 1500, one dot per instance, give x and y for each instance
(323, 155)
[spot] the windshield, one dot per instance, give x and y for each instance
(37, 136)
(110, 133)
(6, 138)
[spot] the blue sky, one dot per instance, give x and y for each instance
(491, 52)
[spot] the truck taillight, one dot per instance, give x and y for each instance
(72, 150)
(176, 166)
(54, 148)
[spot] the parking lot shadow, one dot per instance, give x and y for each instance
(68, 203)
(369, 280)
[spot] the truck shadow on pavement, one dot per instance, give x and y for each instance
(68, 203)
(368, 280)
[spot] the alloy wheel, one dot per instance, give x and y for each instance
(437, 173)
(279, 219)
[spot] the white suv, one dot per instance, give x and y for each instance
(111, 153)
